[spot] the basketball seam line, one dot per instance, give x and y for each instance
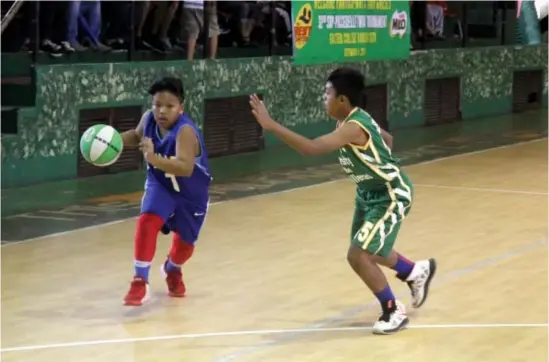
(107, 143)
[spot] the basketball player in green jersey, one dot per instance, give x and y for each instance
(383, 192)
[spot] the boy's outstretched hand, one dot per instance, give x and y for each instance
(260, 113)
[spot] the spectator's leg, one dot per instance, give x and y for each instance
(213, 32)
(117, 15)
(192, 20)
(165, 27)
(418, 14)
(160, 8)
(283, 14)
(256, 19)
(286, 18)
(162, 19)
(86, 8)
(144, 7)
(71, 43)
(73, 12)
(90, 20)
(228, 19)
(418, 11)
(94, 16)
(246, 23)
(251, 15)
(48, 11)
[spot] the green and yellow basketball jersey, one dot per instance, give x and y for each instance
(370, 166)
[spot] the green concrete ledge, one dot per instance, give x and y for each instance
(483, 132)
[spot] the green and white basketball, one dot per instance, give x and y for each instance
(101, 145)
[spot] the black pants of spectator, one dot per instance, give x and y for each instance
(418, 15)
(116, 16)
(52, 20)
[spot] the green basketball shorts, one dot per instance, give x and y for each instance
(379, 215)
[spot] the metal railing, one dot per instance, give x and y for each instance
(460, 17)
(35, 31)
(12, 11)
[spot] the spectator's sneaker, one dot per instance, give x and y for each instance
(155, 45)
(165, 44)
(73, 47)
(79, 47)
(180, 44)
(47, 46)
(103, 48)
(248, 44)
(99, 47)
(151, 44)
(26, 46)
(67, 47)
(117, 45)
(140, 44)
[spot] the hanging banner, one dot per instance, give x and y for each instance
(350, 31)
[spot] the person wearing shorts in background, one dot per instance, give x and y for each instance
(192, 25)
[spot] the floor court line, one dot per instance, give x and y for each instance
(289, 334)
(264, 332)
(279, 192)
(438, 280)
(318, 326)
(463, 188)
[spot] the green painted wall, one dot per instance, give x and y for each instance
(47, 143)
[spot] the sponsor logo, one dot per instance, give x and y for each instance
(399, 23)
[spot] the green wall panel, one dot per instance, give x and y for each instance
(294, 94)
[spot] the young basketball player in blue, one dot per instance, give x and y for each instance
(176, 189)
(383, 192)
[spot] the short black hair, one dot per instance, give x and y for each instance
(350, 83)
(168, 84)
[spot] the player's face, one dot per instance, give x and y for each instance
(166, 109)
(332, 102)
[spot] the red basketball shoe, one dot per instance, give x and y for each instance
(138, 294)
(174, 280)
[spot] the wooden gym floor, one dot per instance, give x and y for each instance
(269, 280)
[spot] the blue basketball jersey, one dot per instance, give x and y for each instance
(194, 188)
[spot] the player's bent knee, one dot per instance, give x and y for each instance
(356, 256)
(177, 238)
(149, 222)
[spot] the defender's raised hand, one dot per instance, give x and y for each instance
(260, 112)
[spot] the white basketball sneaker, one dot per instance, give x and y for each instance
(420, 279)
(393, 322)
